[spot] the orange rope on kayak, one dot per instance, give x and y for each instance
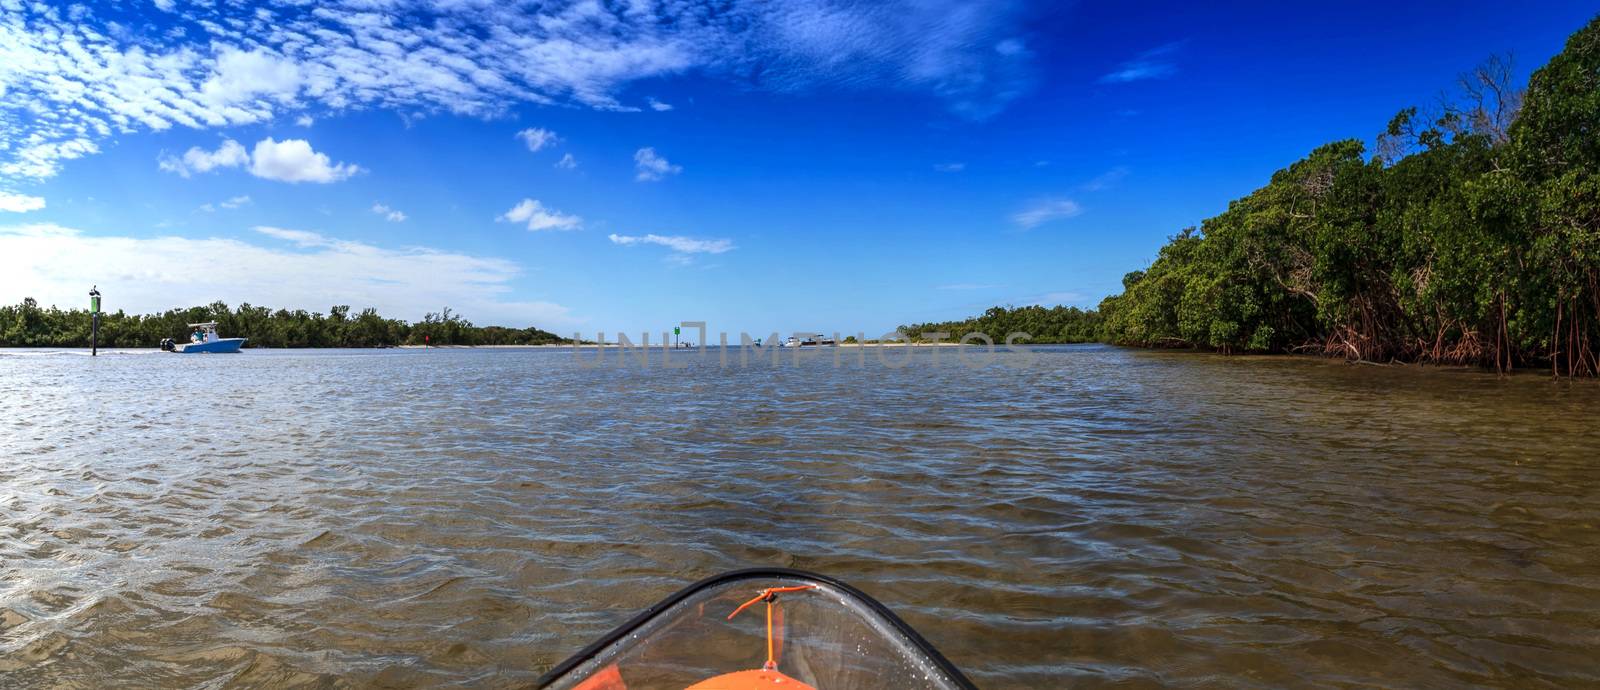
(769, 595)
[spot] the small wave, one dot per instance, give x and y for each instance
(30, 352)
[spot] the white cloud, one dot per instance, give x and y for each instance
(43, 158)
(230, 154)
(20, 203)
(290, 160)
(389, 214)
(950, 167)
(240, 77)
(224, 64)
(537, 138)
(305, 121)
(652, 167)
(1042, 212)
(677, 243)
(567, 162)
(293, 160)
(1155, 63)
(143, 275)
(540, 217)
(658, 106)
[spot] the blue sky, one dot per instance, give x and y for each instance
(773, 166)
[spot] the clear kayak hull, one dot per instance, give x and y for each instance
(767, 628)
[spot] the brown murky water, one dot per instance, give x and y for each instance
(1107, 517)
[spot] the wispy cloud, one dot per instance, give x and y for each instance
(677, 243)
(215, 65)
(1155, 63)
(19, 203)
(972, 55)
(537, 216)
(1044, 211)
(651, 167)
(950, 167)
(52, 263)
(567, 162)
(230, 203)
(537, 138)
(658, 106)
(300, 238)
(1106, 180)
(389, 214)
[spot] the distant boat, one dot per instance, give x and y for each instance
(808, 342)
(205, 340)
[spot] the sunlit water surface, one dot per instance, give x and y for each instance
(402, 518)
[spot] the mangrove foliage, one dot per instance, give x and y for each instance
(1469, 235)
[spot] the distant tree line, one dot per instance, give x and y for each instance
(1043, 324)
(29, 325)
(1472, 236)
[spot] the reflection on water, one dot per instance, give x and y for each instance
(1105, 517)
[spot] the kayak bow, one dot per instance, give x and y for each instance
(819, 634)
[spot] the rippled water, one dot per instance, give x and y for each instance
(1105, 517)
